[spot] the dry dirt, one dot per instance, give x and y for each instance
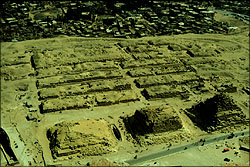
(74, 100)
(206, 155)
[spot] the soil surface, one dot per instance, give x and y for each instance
(70, 101)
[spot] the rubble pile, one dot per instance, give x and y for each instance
(122, 19)
(102, 162)
(216, 113)
(154, 119)
(81, 138)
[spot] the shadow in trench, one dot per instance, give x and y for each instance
(6, 148)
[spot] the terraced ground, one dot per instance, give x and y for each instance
(52, 81)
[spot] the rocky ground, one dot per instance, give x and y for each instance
(72, 101)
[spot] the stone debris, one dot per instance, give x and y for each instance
(215, 113)
(154, 119)
(102, 162)
(81, 138)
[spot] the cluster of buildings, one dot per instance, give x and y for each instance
(237, 9)
(42, 19)
(236, 6)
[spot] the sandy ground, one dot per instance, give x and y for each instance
(211, 154)
(48, 81)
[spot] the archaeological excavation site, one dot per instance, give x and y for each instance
(164, 84)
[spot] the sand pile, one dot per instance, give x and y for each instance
(81, 138)
(215, 113)
(154, 119)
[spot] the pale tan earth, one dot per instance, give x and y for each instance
(79, 89)
(208, 155)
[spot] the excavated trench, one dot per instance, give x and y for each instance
(5, 144)
(116, 132)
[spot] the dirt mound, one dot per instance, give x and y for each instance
(81, 138)
(215, 113)
(102, 162)
(155, 119)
